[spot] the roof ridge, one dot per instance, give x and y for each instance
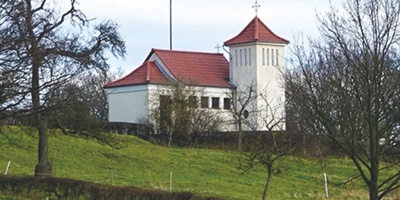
(202, 68)
(186, 51)
(256, 28)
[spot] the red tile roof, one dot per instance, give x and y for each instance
(256, 31)
(202, 69)
(148, 72)
(197, 68)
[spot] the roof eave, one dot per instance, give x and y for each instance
(135, 84)
(255, 41)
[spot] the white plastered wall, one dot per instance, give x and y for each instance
(270, 76)
(261, 65)
(210, 92)
(128, 104)
(226, 115)
(131, 104)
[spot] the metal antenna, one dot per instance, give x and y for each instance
(170, 24)
(256, 6)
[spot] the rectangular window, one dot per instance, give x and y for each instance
(272, 58)
(165, 111)
(263, 56)
(204, 102)
(249, 56)
(267, 57)
(245, 57)
(241, 57)
(193, 102)
(227, 103)
(277, 57)
(215, 102)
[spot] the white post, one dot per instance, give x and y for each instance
(326, 186)
(170, 181)
(8, 167)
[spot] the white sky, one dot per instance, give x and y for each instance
(198, 25)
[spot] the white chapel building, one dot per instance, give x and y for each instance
(256, 60)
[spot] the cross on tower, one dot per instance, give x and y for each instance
(218, 47)
(256, 6)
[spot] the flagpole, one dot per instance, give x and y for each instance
(170, 24)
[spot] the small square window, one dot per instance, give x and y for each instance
(215, 103)
(204, 102)
(193, 102)
(227, 103)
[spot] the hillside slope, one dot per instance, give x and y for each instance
(139, 163)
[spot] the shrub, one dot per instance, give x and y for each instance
(63, 188)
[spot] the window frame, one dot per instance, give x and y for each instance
(215, 103)
(205, 102)
(227, 104)
(193, 101)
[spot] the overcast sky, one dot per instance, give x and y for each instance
(198, 25)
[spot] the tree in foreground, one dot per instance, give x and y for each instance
(48, 45)
(345, 86)
(241, 109)
(268, 148)
(81, 107)
(177, 115)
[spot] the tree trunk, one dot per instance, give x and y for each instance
(373, 183)
(374, 171)
(266, 187)
(373, 191)
(170, 139)
(240, 136)
(43, 168)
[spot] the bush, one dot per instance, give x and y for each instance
(63, 188)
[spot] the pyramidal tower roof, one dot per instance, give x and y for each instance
(256, 31)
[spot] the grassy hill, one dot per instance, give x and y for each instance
(205, 172)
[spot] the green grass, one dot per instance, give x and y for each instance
(204, 172)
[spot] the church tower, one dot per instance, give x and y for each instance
(257, 63)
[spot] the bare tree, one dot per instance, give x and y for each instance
(241, 109)
(82, 104)
(46, 53)
(12, 91)
(345, 86)
(268, 148)
(95, 94)
(175, 113)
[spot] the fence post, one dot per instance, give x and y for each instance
(8, 167)
(326, 185)
(170, 181)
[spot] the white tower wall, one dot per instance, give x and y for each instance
(261, 66)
